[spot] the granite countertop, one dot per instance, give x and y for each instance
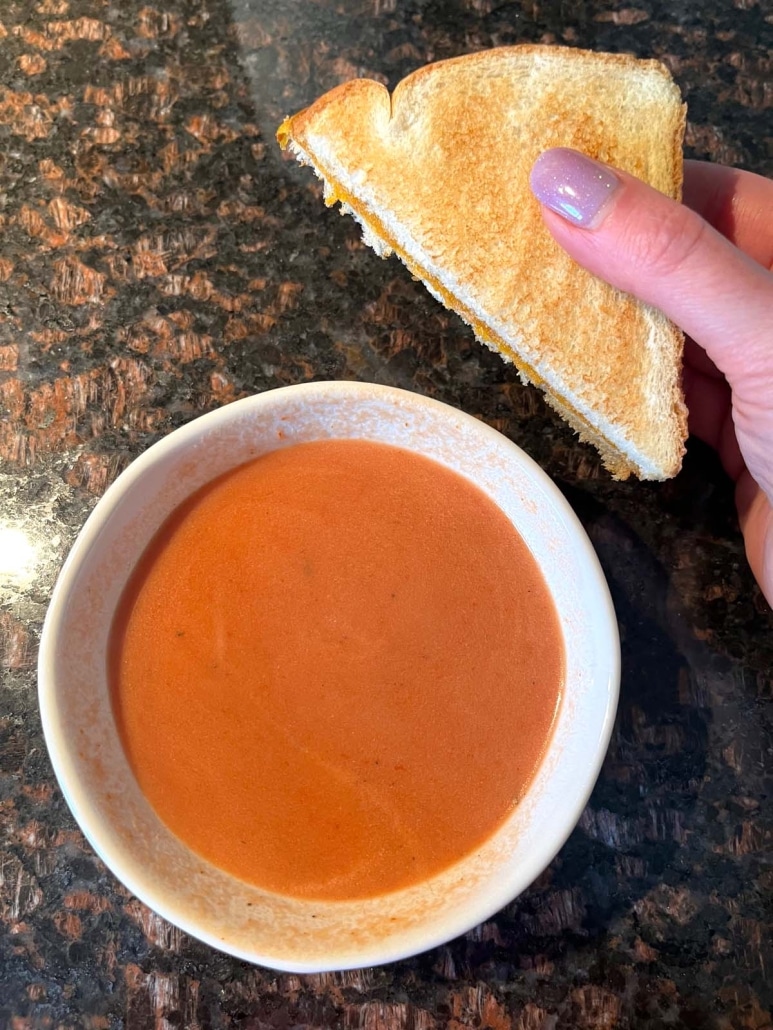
(159, 257)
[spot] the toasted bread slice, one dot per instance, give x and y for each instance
(439, 174)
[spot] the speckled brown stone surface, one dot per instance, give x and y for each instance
(158, 258)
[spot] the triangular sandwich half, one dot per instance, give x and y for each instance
(438, 174)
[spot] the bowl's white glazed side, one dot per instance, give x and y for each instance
(94, 773)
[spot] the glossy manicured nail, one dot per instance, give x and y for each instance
(573, 185)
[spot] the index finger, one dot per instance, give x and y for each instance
(737, 203)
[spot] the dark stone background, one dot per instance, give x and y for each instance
(159, 258)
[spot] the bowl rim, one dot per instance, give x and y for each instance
(59, 748)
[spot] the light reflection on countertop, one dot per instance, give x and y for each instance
(18, 555)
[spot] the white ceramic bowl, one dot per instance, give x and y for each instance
(284, 933)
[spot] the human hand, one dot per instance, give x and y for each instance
(706, 264)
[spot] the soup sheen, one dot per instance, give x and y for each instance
(335, 670)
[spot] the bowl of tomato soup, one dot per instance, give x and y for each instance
(329, 675)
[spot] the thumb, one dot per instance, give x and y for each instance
(648, 245)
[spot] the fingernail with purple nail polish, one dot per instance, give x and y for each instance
(573, 186)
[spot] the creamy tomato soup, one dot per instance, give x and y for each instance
(335, 670)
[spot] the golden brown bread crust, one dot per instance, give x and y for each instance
(439, 174)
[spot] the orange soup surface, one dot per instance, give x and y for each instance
(335, 670)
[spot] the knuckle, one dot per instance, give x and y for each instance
(667, 241)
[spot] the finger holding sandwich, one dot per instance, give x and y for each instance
(588, 292)
(669, 256)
